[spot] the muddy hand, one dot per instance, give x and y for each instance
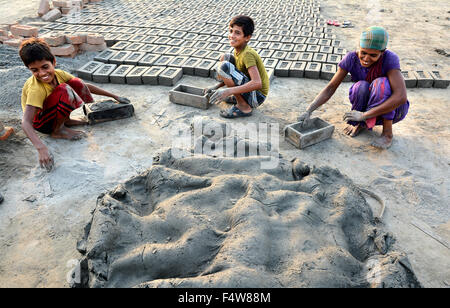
(218, 96)
(123, 100)
(46, 159)
(304, 118)
(354, 115)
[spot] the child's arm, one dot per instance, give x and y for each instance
(45, 159)
(324, 95)
(99, 91)
(254, 84)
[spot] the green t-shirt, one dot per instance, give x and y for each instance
(248, 58)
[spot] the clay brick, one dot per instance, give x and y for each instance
(266, 53)
(300, 47)
(297, 69)
(312, 70)
(88, 47)
(54, 39)
(174, 51)
(85, 72)
(3, 32)
(276, 46)
(292, 56)
(44, 7)
(101, 75)
(410, 79)
(61, 3)
(151, 75)
(135, 75)
(270, 63)
(320, 57)
(161, 49)
(187, 52)
(13, 42)
(164, 60)
(119, 57)
(148, 60)
(134, 46)
(313, 48)
(134, 58)
(282, 69)
(189, 65)
(281, 55)
(440, 81)
(147, 48)
(326, 49)
(288, 47)
(306, 56)
(200, 53)
(340, 51)
(203, 69)
(95, 39)
(76, 38)
(424, 79)
(120, 45)
(335, 59)
(327, 71)
(170, 76)
(119, 75)
(178, 61)
(23, 30)
(64, 50)
(52, 15)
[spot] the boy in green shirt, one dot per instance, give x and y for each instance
(243, 72)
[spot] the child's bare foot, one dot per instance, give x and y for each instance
(383, 142)
(353, 131)
(76, 122)
(68, 134)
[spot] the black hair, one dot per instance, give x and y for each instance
(35, 49)
(247, 24)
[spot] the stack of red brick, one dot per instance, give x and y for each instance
(13, 35)
(62, 45)
(60, 7)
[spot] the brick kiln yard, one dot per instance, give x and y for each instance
(44, 215)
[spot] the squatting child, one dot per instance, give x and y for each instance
(49, 96)
(243, 73)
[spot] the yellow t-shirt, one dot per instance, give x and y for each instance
(248, 58)
(35, 92)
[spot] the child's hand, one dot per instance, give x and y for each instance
(303, 118)
(46, 159)
(209, 90)
(354, 115)
(219, 95)
(123, 100)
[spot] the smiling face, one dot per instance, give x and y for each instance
(44, 71)
(237, 38)
(368, 57)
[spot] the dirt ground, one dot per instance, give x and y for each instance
(43, 214)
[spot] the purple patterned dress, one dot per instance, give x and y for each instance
(364, 95)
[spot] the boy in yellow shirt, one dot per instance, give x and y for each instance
(243, 72)
(49, 96)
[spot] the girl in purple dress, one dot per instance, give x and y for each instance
(378, 96)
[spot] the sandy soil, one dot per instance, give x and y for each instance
(43, 215)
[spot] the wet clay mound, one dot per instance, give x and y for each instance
(190, 223)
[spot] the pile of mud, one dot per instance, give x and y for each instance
(200, 221)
